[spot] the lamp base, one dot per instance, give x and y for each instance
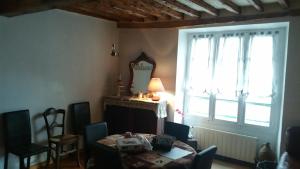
(155, 98)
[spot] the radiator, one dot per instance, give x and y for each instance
(230, 145)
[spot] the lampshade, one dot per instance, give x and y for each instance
(155, 85)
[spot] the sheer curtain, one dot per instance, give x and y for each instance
(200, 69)
(233, 73)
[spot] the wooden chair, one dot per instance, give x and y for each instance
(92, 133)
(58, 140)
(17, 138)
(204, 159)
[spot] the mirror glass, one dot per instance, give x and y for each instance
(141, 71)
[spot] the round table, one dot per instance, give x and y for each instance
(149, 159)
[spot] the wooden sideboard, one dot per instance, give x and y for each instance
(124, 114)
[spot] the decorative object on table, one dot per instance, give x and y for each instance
(121, 87)
(155, 86)
(163, 142)
(141, 71)
(145, 141)
(130, 144)
(127, 134)
(265, 153)
(114, 50)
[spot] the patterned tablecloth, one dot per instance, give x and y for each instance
(152, 159)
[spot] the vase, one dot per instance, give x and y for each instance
(265, 153)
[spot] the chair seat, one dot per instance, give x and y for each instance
(28, 150)
(64, 139)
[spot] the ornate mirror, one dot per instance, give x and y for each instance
(141, 71)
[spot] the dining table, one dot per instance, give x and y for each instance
(179, 157)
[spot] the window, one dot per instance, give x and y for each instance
(229, 76)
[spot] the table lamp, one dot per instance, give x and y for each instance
(155, 85)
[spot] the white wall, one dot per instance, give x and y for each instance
(161, 44)
(52, 59)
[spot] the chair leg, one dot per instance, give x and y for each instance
(22, 165)
(77, 154)
(48, 157)
(28, 162)
(57, 157)
(6, 160)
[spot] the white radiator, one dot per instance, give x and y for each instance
(230, 145)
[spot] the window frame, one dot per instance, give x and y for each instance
(240, 126)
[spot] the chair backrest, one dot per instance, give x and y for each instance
(17, 128)
(204, 159)
(106, 157)
(55, 121)
(92, 133)
(180, 131)
(80, 116)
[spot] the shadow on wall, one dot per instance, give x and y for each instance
(38, 130)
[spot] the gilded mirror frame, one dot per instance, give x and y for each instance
(143, 57)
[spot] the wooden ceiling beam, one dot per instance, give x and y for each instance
(109, 8)
(139, 6)
(101, 15)
(163, 9)
(200, 21)
(283, 3)
(19, 7)
(230, 6)
(146, 8)
(124, 5)
(179, 7)
(105, 6)
(257, 4)
(206, 7)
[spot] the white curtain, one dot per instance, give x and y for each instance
(232, 64)
(199, 79)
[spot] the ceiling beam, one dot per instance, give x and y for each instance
(230, 6)
(174, 14)
(257, 4)
(206, 7)
(109, 8)
(101, 15)
(124, 5)
(140, 6)
(19, 7)
(179, 7)
(227, 19)
(283, 3)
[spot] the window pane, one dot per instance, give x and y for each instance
(261, 67)
(226, 110)
(198, 106)
(257, 114)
